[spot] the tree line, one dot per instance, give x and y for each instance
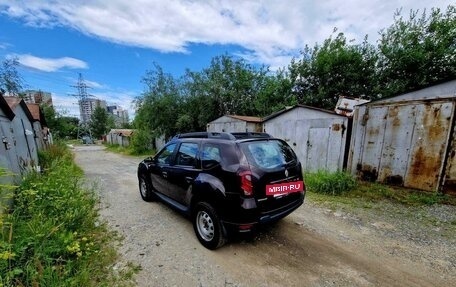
(414, 52)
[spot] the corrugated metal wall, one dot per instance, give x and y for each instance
(231, 125)
(24, 140)
(18, 152)
(449, 179)
(226, 124)
(39, 136)
(318, 138)
(118, 139)
(403, 143)
(8, 158)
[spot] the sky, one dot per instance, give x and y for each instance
(113, 43)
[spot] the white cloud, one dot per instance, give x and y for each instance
(66, 104)
(4, 46)
(271, 31)
(48, 64)
(93, 84)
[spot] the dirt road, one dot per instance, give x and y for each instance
(311, 247)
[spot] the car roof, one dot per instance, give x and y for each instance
(236, 136)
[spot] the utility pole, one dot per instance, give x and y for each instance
(85, 107)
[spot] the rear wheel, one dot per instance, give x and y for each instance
(207, 226)
(145, 189)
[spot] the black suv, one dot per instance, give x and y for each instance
(226, 182)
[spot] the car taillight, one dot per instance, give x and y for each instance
(246, 183)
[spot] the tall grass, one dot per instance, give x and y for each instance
(324, 185)
(56, 238)
(6, 193)
(334, 183)
(56, 152)
(130, 150)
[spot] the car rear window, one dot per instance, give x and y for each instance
(268, 154)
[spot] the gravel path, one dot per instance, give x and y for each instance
(314, 246)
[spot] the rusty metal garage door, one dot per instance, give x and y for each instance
(406, 143)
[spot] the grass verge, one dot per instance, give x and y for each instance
(128, 150)
(53, 236)
(341, 187)
(376, 202)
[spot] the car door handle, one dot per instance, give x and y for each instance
(189, 179)
(165, 174)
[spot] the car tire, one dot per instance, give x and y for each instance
(145, 189)
(208, 227)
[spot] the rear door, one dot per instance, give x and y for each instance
(277, 174)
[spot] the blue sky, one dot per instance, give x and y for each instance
(113, 43)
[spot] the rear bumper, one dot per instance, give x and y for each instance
(281, 213)
(246, 219)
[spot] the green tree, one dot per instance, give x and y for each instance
(61, 126)
(126, 125)
(99, 122)
(227, 86)
(51, 116)
(69, 127)
(198, 105)
(418, 51)
(10, 80)
(231, 86)
(141, 141)
(111, 123)
(274, 93)
(335, 68)
(158, 106)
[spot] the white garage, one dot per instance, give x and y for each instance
(317, 136)
(235, 123)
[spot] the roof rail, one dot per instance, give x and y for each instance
(251, 135)
(226, 136)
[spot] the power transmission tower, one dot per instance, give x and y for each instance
(85, 107)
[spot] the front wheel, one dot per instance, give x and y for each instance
(207, 226)
(145, 189)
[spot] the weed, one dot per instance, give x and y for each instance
(141, 142)
(55, 151)
(354, 194)
(334, 183)
(54, 237)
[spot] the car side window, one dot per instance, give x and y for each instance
(186, 155)
(165, 155)
(210, 156)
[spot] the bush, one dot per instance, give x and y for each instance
(141, 142)
(54, 152)
(334, 183)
